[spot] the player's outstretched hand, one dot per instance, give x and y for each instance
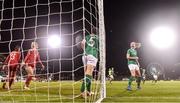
(136, 58)
(138, 45)
(4, 66)
(43, 67)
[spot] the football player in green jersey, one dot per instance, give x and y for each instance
(111, 75)
(143, 75)
(133, 65)
(90, 58)
(155, 73)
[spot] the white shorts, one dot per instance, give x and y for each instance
(89, 59)
(111, 76)
(144, 77)
(133, 67)
(155, 77)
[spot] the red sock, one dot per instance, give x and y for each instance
(10, 82)
(28, 80)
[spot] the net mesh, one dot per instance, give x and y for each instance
(25, 21)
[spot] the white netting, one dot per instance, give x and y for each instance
(25, 21)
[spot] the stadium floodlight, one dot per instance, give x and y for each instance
(162, 37)
(54, 41)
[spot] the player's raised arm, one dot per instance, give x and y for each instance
(7, 59)
(137, 62)
(6, 62)
(39, 60)
(83, 43)
(138, 45)
(27, 56)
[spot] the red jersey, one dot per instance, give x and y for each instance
(32, 57)
(13, 58)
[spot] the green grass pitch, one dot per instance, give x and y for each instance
(163, 91)
(44, 92)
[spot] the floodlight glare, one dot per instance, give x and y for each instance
(162, 37)
(54, 41)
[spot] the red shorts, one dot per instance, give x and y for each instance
(12, 68)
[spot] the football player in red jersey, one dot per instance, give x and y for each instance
(12, 64)
(30, 61)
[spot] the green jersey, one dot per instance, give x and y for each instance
(132, 53)
(91, 46)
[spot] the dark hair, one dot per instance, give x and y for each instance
(17, 47)
(94, 31)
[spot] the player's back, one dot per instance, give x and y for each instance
(32, 56)
(14, 57)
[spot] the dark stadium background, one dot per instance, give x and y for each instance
(132, 20)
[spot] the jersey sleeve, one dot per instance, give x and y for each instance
(7, 59)
(86, 37)
(39, 59)
(27, 56)
(129, 52)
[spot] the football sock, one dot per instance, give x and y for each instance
(10, 82)
(28, 80)
(131, 79)
(86, 85)
(138, 81)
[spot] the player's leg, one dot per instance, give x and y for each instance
(88, 75)
(111, 78)
(86, 85)
(144, 79)
(6, 79)
(84, 60)
(10, 79)
(4, 84)
(30, 73)
(155, 78)
(83, 86)
(132, 77)
(138, 75)
(13, 76)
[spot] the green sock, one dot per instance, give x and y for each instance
(138, 81)
(130, 80)
(89, 77)
(86, 85)
(83, 86)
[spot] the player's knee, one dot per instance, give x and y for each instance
(133, 75)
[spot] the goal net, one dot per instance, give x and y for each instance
(58, 26)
